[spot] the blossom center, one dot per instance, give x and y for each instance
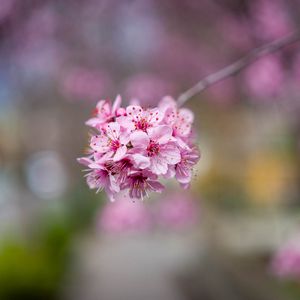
(139, 183)
(118, 167)
(114, 145)
(153, 148)
(142, 124)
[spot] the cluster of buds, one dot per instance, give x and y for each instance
(132, 147)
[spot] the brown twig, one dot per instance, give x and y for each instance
(237, 66)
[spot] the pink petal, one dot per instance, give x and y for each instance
(167, 103)
(103, 107)
(91, 182)
(139, 139)
(120, 153)
(111, 196)
(124, 138)
(95, 165)
(84, 161)
(133, 110)
(187, 115)
(156, 186)
(120, 112)
(182, 144)
(171, 172)
(116, 104)
(93, 122)
(161, 134)
(183, 175)
(158, 165)
(140, 161)
(155, 116)
(185, 186)
(114, 187)
(126, 123)
(113, 130)
(171, 154)
(99, 143)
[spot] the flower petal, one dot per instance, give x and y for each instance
(93, 122)
(133, 110)
(126, 123)
(171, 172)
(161, 134)
(84, 161)
(113, 130)
(141, 161)
(139, 139)
(154, 116)
(158, 165)
(99, 143)
(183, 175)
(187, 115)
(120, 153)
(116, 105)
(155, 186)
(171, 154)
(114, 187)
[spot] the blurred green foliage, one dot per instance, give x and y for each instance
(27, 273)
(35, 267)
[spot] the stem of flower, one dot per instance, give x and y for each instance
(237, 66)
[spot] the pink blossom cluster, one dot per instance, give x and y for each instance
(133, 147)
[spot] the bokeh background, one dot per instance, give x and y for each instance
(233, 235)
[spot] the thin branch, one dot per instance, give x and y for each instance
(237, 66)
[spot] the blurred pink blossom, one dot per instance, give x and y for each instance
(42, 22)
(271, 19)
(85, 84)
(178, 211)
(38, 59)
(148, 88)
(124, 215)
(37, 51)
(236, 32)
(286, 262)
(6, 8)
(264, 79)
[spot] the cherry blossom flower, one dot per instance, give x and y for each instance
(104, 113)
(111, 141)
(141, 183)
(101, 179)
(133, 146)
(158, 145)
(189, 157)
(179, 119)
(139, 119)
